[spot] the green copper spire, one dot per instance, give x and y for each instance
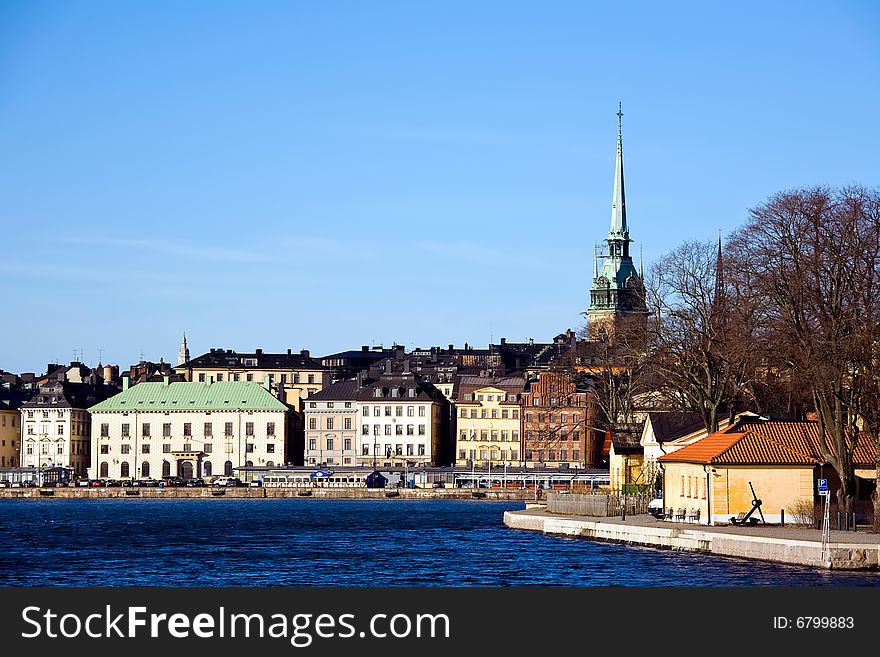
(619, 229)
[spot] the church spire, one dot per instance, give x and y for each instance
(619, 229)
(183, 354)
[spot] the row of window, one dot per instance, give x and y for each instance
(551, 417)
(125, 469)
(696, 487)
(539, 455)
(487, 435)
(208, 429)
(393, 450)
(329, 405)
(571, 436)
(249, 376)
(393, 392)
(330, 444)
(555, 401)
(207, 448)
(3, 420)
(488, 455)
(398, 411)
(397, 430)
(491, 412)
(330, 423)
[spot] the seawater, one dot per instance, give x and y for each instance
(297, 542)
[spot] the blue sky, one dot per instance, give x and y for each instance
(325, 174)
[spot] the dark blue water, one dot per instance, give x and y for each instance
(293, 542)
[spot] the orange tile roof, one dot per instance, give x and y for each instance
(766, 443)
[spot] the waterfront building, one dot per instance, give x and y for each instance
(331, 425)
(711, 480)
(626, 462)
(11, 400)
(560, 422)
(57, 425)
(292, 376)
(188, 429)
(403, 421)
(488, 421)
(617, 296)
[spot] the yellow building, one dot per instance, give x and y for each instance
(488, 421)
(709, 480)
(10, 429)
(625, 462)
(292, 376)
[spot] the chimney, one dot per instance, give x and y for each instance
(166, 380)
(304, 353)
(503, 341)
(388, 366)
(258, 352)
(451, 348)
(289, 352)
(360, 380)
(124, 383)
(364, 348)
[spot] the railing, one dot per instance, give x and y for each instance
(600, 505)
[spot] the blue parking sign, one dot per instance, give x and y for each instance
(823, 485)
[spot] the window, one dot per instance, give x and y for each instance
(105, 430)
(388, 411)
(464, 412)
(249, 377)
(330, 443)
(270, 428)
(421, 429)
(206, 466)
(682, 485)
(296, 377)
(421, 450)
(494, 434)
(60, 430)
(347, 444)
(409, 449)
(366, 411)
(473, 412)
(575, 455)
(575, 418)
(123, 469)
(270, 448)
(564, 418)
(105, 449)
(551, 456)
(236, 377)
(365, 430)
(228, 429)
(394, 392)
(398, 411)
(515, 414)
(187, 447)
(145, 469)
(377, 411)
(377, 392)
(504, 435)
(219, 376)
(145, 448)
(227, 468)
(249, 448)
(207, 448)
(483, 413)
(166, 469)
(346, 422)
(387, 429)
(125, 449)
(504, 413)
(166, 429)
(494, 413)
(421, 411)
(313, 444)
(461, 455)
(365, 449)
(311, 378)
(166, 448)
(125, 430)
(563, 455)
(329, 422)
(201, 377)
(398, 429)
(209, 429)
(462, 435)
(410, 429)
(410, 392)
(104, 469)
(484, 435)
(187, 429)
(249, 428)
(703, 487)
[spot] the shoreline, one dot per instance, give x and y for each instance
(791, 546)
(208, 492)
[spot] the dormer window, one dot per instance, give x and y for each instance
(394, 392)
(377, 392)
(411, 392)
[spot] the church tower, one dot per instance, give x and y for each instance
(183, 354)
(617, 297)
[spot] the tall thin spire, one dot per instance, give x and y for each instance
(183, 354)
(619, 229)
(641, 262)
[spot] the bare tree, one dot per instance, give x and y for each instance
(811, 256)
(700, 331)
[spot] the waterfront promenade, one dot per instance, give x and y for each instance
(790, 545)
(266, 492)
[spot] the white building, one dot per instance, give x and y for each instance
(188, 429)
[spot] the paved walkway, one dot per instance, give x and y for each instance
(863, 536)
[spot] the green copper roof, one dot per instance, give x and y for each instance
(225, 395)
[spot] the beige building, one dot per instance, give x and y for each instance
(10, 426)
(57, 426)
(331, 425)
(488, 421)
(292, 376)
(187, 429)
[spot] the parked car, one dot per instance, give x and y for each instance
(438, 484)
(147, 483)
(256, 483)
(223, 480)
(96, 483)
(655, 507)
(191, 483)
(173, 481)
(112, 483)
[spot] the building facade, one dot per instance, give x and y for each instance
(488, 421)
(57, 425)
(187, 429)
(10, 425)
(331, 425)
(559, 422)
(403, 421)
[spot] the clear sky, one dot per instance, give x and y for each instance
(327, 174)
